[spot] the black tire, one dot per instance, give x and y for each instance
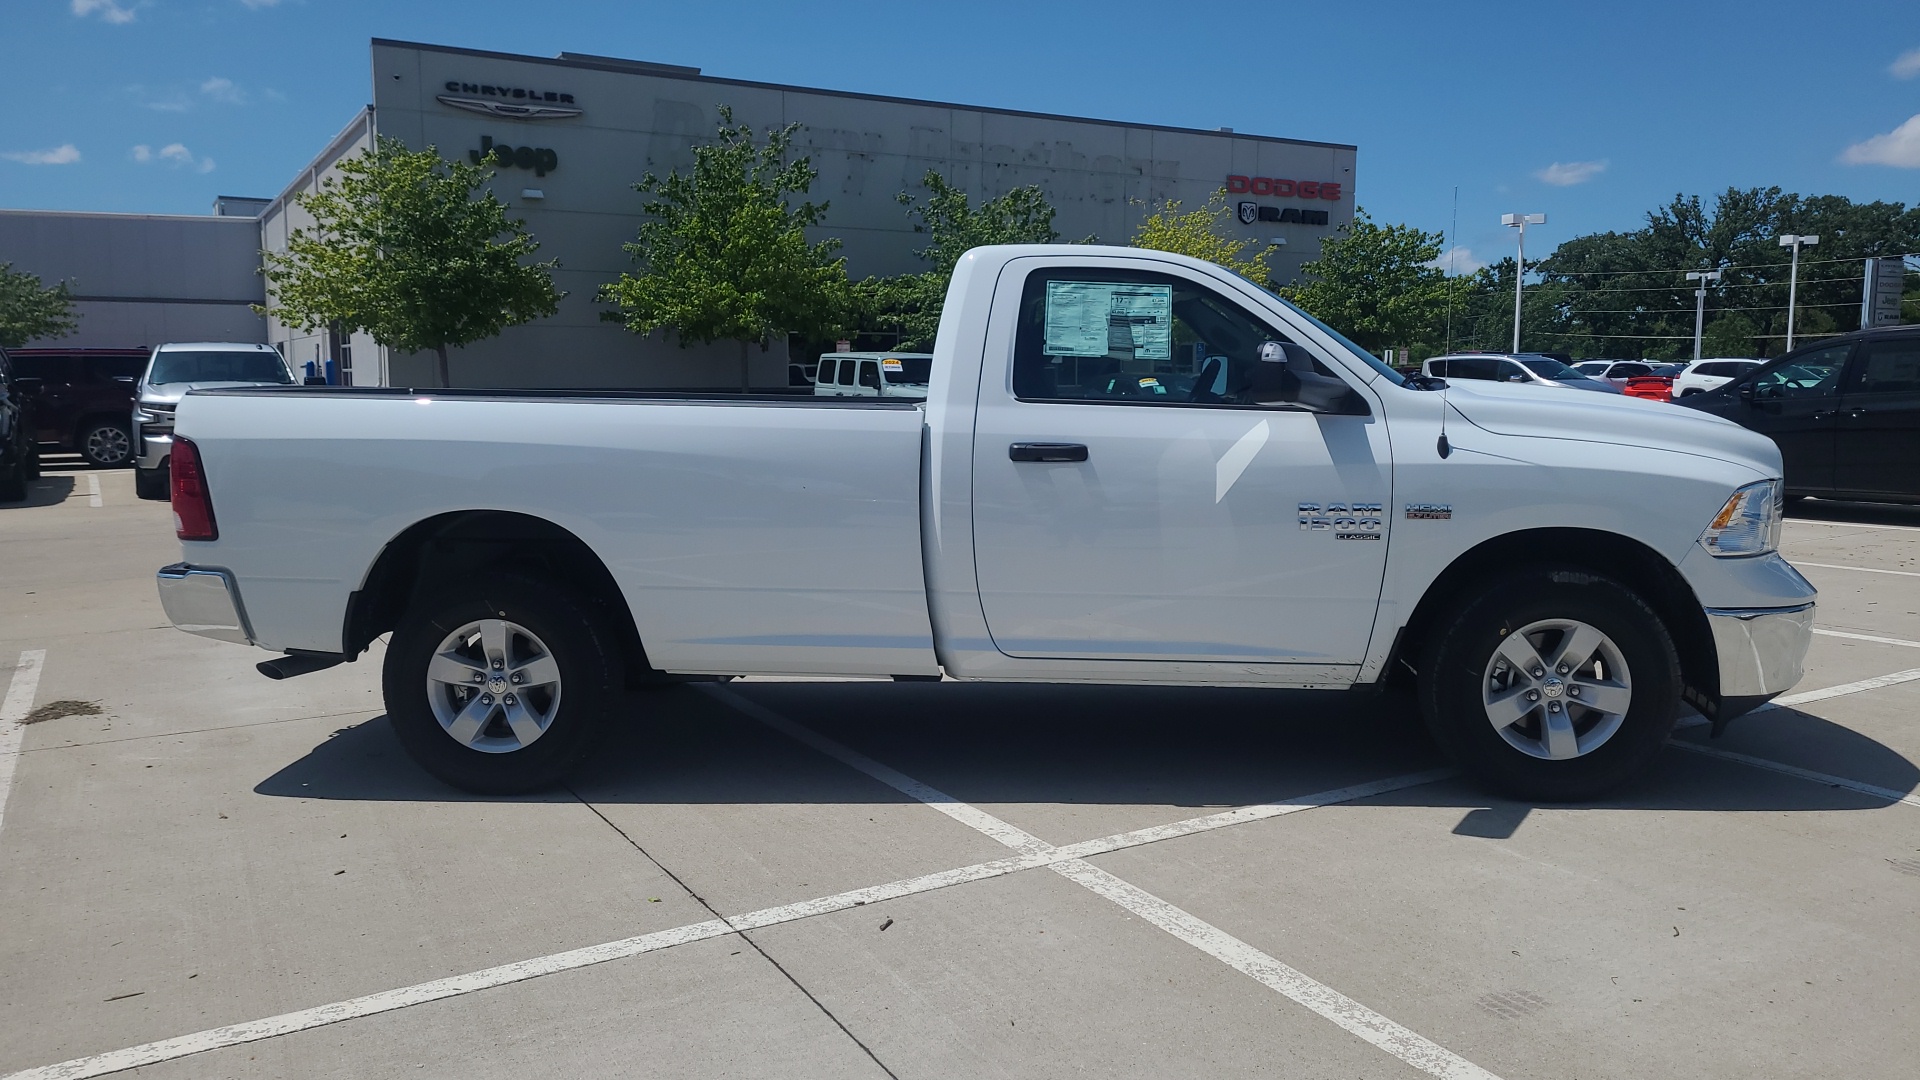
(1456, 662)
(590, 677)
(106, 444)
(33, 461)
(152, 483)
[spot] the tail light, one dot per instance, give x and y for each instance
(192, 502)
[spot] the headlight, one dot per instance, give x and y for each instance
(1749, 524)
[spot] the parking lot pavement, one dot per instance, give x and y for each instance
(929, 880)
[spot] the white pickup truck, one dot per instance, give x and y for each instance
(1131, 467)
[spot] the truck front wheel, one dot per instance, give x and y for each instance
(1553, 684)
(502, 686)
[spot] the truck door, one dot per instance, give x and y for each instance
(1877, 444)
(1141, 492)
(1794, 401)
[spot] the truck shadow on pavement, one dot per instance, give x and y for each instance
(1194, 749)
(46, 491)
(1858, 513)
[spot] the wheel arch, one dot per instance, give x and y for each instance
(1623, 558)
(438, 550)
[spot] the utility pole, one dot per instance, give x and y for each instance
(1520, 222)
(1793, 277)
(1700, 305)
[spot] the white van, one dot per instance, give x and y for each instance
(873, 374)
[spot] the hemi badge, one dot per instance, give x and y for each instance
(1429, 511)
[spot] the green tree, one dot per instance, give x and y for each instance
(723, 254)
(29, 310)
(402, 249)
(910, 304)
(1376, 283)
(1204, 234)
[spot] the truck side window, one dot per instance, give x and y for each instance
(1133, 337)
(870, 374)
(1471, 368)
(1891, 366)
(1810, 374)
(846, 373)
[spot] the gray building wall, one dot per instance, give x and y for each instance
(143, 279)
(1102, 178)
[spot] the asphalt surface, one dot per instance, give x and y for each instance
(208, 874)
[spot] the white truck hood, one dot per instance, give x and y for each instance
(1544, 413)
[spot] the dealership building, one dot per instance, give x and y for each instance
(568, 136)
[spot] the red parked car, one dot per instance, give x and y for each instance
(82, 400)
(1655, 387)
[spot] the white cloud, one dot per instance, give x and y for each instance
(1899, 147)
(175, 154)
(64, 154)
(1457, 260)
(1907, 65)
(108, 10)
(1569, 173)
(223, 90)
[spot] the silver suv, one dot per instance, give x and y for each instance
(177, 368)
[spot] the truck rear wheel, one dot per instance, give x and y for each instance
(502, 686)
(1554, 684)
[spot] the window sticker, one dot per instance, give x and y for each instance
(1097, 318)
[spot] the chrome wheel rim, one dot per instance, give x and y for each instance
(1557, 689)
(494, 686)
(108, 445)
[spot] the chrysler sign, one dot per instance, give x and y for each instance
(513, 102)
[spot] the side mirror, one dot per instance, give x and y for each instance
(1303, 385)
(1746, 392)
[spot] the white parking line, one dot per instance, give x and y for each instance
(1828, 779)
(1860, 569)
(387, 1001)
(1404, 1043)
(1841, 690)
(1850, 524)
(14, 709)
(1867, 637)
(93, 490)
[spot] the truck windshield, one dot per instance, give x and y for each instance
(1368, 358)
(907, 370)
(221, 366)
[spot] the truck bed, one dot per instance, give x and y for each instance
(776, 534)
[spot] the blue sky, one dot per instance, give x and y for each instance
(1592, 113)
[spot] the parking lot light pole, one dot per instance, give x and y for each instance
(1793, 276)
(1520, 222)
(1700, 305)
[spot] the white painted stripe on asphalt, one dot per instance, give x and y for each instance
(1402, 1042)
(1842, 690)
(13, 709)
(1867, 637)
(93, 490)
(1805, 774)
(1850, 524)
(1861, 569)
(458, 985)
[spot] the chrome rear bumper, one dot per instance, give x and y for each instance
(204, 601)
(1763, 651)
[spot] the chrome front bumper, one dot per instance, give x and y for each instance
(1763, 651)
(154, 448)
(205, 602)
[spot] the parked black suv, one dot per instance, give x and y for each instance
(19, 457)
(1845, 411)
(83, 400)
